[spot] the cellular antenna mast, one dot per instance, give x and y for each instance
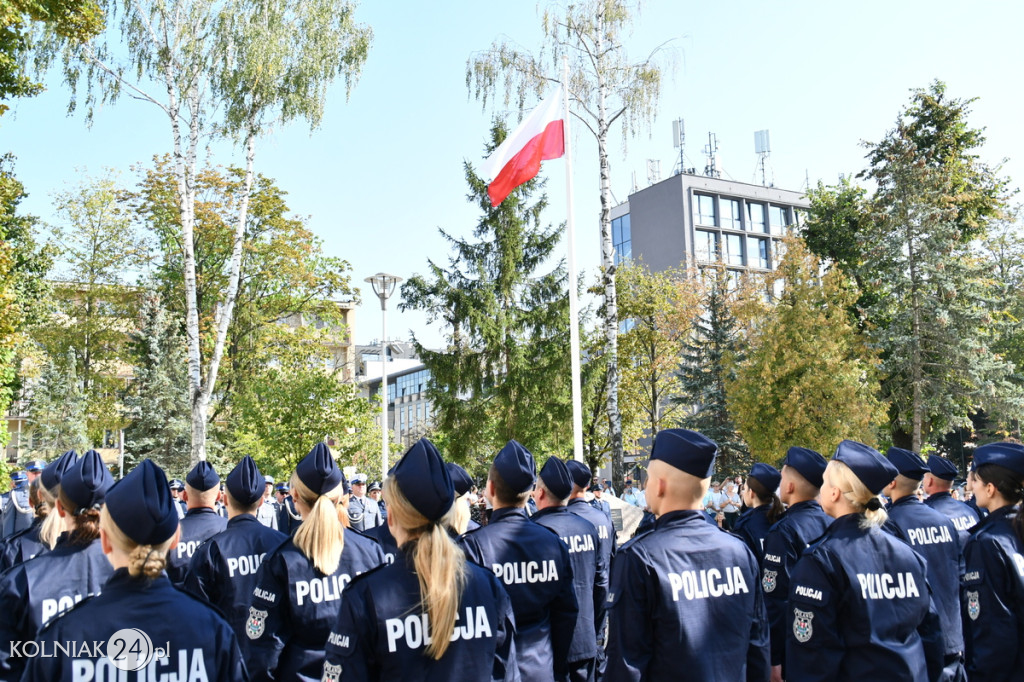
(679, 141)
(710, 150)
(763, 149)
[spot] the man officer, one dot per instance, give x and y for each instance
(684, 599)
(18, 514)
(363, 511)
(202, 488)
(605, 543)
(937, 483)
(268, 511)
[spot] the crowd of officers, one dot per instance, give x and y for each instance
(837, 570)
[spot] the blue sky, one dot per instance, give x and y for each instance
(385, 169)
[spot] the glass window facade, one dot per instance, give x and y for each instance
(757, 252)
(733, 249)
(779, 218)
(622, 238)
(704, 209)
(408, 384)
(731, 216)
(755, 217)
(707, 246)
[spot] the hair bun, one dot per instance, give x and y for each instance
(874, 504)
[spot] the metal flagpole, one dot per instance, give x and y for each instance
(574, 305)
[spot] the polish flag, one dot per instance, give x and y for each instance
(541, 136)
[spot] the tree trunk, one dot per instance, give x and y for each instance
(916, 370)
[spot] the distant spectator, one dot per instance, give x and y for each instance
(633, 496)
(608, 490)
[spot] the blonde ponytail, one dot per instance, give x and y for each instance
(51, 527)
(321, 537)
(857, 494)
(440, 567)
(143, 560)
(458, 517)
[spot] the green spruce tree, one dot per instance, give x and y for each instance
(505, 371)
(704, 374)
(58, 409)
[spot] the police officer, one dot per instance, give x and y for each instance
(220, 507)
(684, 599)
(764, 507)
(33, 593)
(267, 514)
(993, 598)
(18, 514)
(41, 536)
(177, 487)
(288, 517)
(597, 502)
(138, 526)
(580, 537)
(299, 585)
(437, 626)
(803, 522)
(580, 474)
(532, 563)
(362, 510)
(859, 601)
(388, 544)
(223, 569)
(202, 488)
(933, 536)
(938, 481)
(461, 521)
(375, 492)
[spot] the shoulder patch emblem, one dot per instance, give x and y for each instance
(332, 673)
(802, 628)
(256, 624)
(768, 581)
(973, 605)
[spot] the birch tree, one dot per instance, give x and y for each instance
(606, 89)
(234, 68)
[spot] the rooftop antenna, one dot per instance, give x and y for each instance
(635, 186)
(763, 149)
(710, 150)
(679, 140)
(653, 171)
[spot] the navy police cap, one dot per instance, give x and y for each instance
(202, 477)
(318, 471)
(56, 469)
(808, 463)
(516, 466)
(86, 483)
(423, 478)
(940, 467)
(36, 465)
(766, 475)
(175, 484)
(460, 479)
(555, 475)
(579, 472)
(282, 487)
(19, 476)
(686, 450)
(908, 463)
(867, 464)
(245, 483)
(140, 504)
(1007, 455)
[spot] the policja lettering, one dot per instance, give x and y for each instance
(930, 535)
(328, 588)
(579, 543)
(55, 607)
(415, 630)
(885, 586)
(245, 565)
(707, 583)
(187, 549)
(191, 667)
(526, 572)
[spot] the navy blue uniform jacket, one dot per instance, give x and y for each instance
(605, 552)
(752, 526)
(388, 544)
(14, 519)
(533, 565)
(580, 538)
(962, 515)
(22, 546)
(684, 603)
(381, 631)
(860, 608)
(802, 524)
(294, 606)
(993, 600)
(932, 535)
(202, 645)
(199, 525)
(35, 592)
(224, 568)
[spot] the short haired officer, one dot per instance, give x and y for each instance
(554, 487)
(860, 607)
(684, 599)
(362, 510)
(223, 569)
(532, 563)
(580, 474)
(937, 484)
(802, 524)
(933, 536)
(202, 488)
(598, 503)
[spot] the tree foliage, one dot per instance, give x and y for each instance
(58, 409)
(808, 377)
(505, 372)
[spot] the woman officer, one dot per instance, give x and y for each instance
(33, 593)
(993, 594)
(431, 615)
(299, 584)
(42, 535)
(763, 507)
(859, 602)
(138, 526)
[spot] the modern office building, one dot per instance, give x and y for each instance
(409, 412)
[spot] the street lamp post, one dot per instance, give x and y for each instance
(384, 285)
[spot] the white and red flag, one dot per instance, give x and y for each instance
(541, 136)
